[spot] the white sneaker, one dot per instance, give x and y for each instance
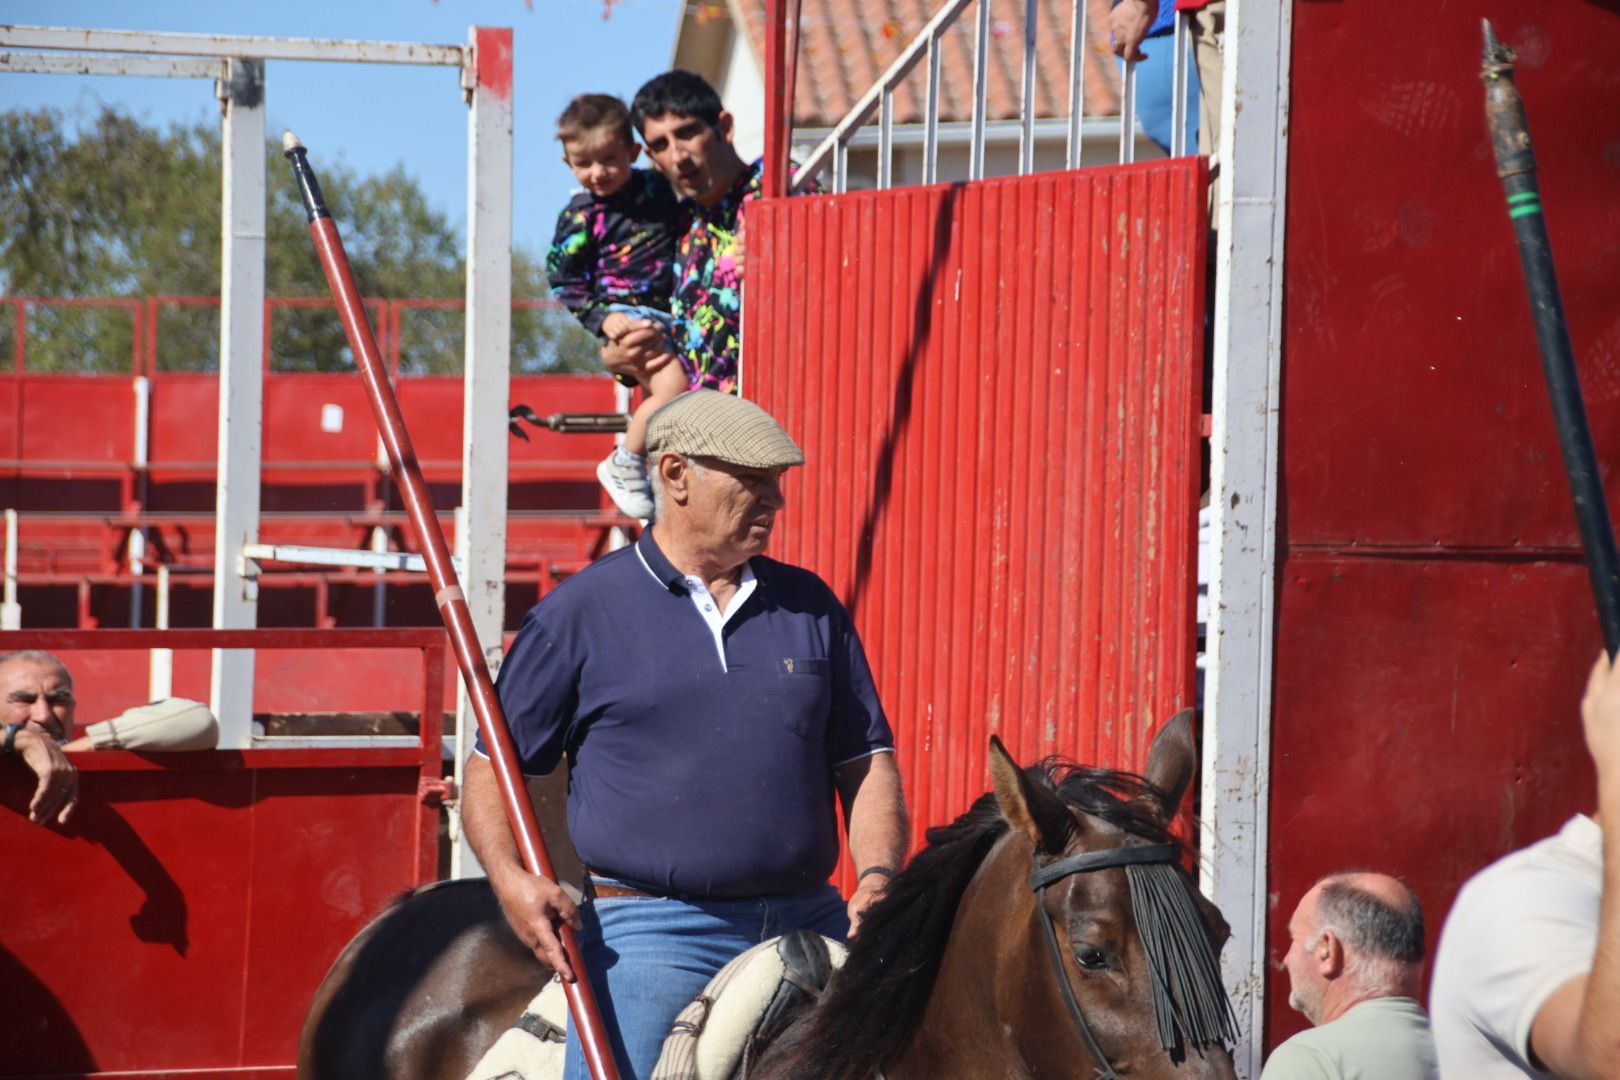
(628, 485)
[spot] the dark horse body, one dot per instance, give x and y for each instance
(948, 978)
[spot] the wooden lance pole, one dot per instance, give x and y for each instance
(1516, 166)
(447, 595)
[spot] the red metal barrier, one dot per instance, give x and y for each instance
(1434, 627)
(185, 918)
(996, 386)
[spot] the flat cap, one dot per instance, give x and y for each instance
(707, 423)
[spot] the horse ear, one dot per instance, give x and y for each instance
(1031, 809)
(1172, 760)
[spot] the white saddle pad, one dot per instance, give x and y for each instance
(706, 1042)
(531, 1049)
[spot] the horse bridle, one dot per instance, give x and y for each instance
(1082, 863)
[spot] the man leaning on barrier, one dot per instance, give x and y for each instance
(36, 696)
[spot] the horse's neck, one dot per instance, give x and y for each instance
(980, 1000)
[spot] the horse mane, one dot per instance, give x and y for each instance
(874, 1004)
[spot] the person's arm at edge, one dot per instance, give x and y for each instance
(1129, 22)
(534, 906)
(869, 788)
(1576, 1034)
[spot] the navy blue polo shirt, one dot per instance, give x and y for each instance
(694, 775)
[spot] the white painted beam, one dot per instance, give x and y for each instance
(1244, 479)
(230, 46)
(481, 528)
(241, 396)
(156, 67)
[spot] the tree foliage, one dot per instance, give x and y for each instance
(124, 209)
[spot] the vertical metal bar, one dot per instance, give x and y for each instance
(10, 610)
(931, 113)
(430, 736)
(981, 52)
(885, 175)
(19, 337)
(841, 168)
(1178, 87)
(160, 662)
(1026, 103)
(1077, 82)
(1127, 114)
(241, 396)
(1244, 487)
(487, 365)
(379, 588)
(773, 183)
(137, 535)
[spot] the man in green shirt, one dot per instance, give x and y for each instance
(1355, 966)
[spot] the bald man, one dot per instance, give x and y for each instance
(37, 710)
(1355, 968)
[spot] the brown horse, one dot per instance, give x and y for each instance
(957, 972)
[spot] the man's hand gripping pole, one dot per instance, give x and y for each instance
(447, 593)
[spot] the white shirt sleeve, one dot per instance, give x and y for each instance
(1510, 942)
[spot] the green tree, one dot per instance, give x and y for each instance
(129, 210)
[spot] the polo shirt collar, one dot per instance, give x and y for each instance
(659, 566)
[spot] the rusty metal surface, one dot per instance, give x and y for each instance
(995, 385)
(1435, 625)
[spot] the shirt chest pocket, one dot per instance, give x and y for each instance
(804, 693)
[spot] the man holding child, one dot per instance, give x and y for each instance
(687, 133)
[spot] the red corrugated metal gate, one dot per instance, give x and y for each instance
(997, 388)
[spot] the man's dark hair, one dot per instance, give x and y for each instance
(676, 93)
(1370, 925)
(592, 113)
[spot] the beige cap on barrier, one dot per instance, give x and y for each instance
(170, 724)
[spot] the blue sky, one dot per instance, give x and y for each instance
(372, 116)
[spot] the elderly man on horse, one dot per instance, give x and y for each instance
(712, 703)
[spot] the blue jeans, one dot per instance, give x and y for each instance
(664, 319)
(1154, 100)
(649, 958)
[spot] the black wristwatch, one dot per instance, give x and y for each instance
(9, 748)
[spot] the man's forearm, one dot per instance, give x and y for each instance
(483, 817)
(876, 812)
(1598, 1029)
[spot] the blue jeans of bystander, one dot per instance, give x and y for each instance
(649, 958)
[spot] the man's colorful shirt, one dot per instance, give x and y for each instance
(617, 250)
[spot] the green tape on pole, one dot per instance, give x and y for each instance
(1523, 211)
(1523, 196)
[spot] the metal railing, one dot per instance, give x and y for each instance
(834, 148)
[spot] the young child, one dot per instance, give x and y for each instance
(611, 264)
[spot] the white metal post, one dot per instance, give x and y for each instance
(137, 534)
(241, 395)
(481, 533)
(160, 662)
(1243, 496)
(10, 610)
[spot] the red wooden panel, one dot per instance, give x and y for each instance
(1414, 411)
(294, 406)
(1426, 722)
(188, 916)
(996, 387)
(185, 418)
(99, 412)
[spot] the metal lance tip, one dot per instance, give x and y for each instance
(294, 152)
(1498, 58)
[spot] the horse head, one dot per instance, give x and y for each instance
(1106, 956)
